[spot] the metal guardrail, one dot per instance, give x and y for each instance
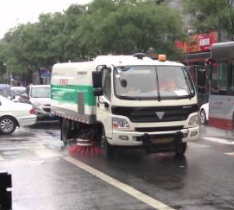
(5, 192)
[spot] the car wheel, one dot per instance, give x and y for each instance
(181, 149)
(7, 125)
(203, 117)
(108, 150)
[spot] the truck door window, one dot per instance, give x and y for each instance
(107, 84)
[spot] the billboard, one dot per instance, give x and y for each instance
(198, 42)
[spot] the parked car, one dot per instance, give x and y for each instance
(16, 92)
(13, 115)
(204, 113)
(40, 98)
(11, 92)
(5, 90)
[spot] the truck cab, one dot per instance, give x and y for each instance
(147, 102)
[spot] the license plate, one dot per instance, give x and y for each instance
(161, 140)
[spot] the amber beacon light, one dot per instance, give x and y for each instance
(162, 57)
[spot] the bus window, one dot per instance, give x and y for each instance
(219, 77)
(231, 88)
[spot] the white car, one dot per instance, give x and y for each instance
(40, 98)
(13, 115)
(204, 113)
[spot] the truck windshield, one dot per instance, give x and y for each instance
(152, 82)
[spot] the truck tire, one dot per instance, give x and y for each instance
(181, 149)
(108, 150)
(65, 131)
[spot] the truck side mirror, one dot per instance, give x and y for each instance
(97, 79)
(202, 80)
(97, 83)
(98, 92)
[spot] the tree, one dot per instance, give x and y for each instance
(211, 14)
(128, 26)
(30, 47)
(2, 71)
(83, 32)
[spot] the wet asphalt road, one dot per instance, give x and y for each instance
(43, 179)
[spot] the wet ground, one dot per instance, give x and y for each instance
(46, 177)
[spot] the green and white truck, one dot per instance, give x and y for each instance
(126, 101)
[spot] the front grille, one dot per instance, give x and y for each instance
(155, 114)
(47, 110)
(155, 129)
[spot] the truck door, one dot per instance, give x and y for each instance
(104, 104)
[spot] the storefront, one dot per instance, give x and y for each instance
(197, 50)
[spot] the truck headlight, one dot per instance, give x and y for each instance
(193, 121)
(118, 123)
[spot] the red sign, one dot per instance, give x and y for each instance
(198, 42)
(63, 81)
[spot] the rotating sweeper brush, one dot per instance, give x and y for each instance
(85, 148)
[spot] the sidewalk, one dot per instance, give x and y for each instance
(206, 131)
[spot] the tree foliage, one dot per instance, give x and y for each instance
(82, 32)
(211, 14)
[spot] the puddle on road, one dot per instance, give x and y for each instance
(51, 133)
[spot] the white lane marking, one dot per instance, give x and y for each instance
(230, 153)
(125, 188)
(197, 145)
(219, 140)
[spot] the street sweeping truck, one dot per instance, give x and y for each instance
(126, 101)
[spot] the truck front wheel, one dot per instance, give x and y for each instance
(108, 150)
(181, 149)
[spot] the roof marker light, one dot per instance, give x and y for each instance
(162, 57)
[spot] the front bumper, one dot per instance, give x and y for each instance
(27, 121)
(132, 138)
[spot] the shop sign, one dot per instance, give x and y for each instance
(198, 43)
